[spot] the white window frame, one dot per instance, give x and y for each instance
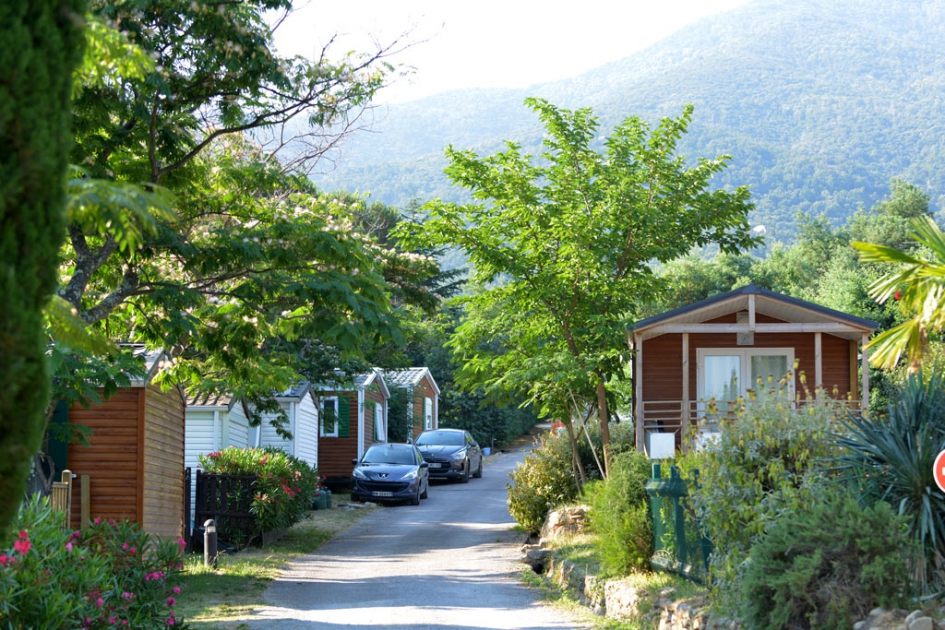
(321, 417)
(427, 413)
(379, 427)
(745, 355)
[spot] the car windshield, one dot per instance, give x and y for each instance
(389, 455)
(441, 438)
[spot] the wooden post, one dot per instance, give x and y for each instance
(85, 507)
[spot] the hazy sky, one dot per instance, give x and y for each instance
(490, 43)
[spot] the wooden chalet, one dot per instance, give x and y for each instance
(423, 398)
(352, 417)
(134, 462)
(717, 349)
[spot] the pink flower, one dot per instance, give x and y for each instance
(5, 560)
(24, 534)
(171, 601)
(68, 546)
(98, 519)
(22, 546)
(170, 621)
(125, 546)
(133, 550)
(127, 595)
(176, 590)
(99, 602)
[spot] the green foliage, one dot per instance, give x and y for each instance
(40, 44)
(109, 575)
(284, 489)
(620, 515)
(562, 248)
(541, 482)
(825, 565)
(767, 462)
(889, 457)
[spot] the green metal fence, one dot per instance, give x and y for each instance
(678, 543)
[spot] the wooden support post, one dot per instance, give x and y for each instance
(85, 507)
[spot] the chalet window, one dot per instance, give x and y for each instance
(727, 373)
(380, 432)
(328, 422)
(427, 413)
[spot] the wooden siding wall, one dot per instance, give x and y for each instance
(662, 359)
(163, 479)
(306, 431)
(335, 453)
(111, 459)
(423, 389)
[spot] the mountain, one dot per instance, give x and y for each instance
(819, 103)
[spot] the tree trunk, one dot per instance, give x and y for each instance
(604, 422)
(577, 467)
(40, 44)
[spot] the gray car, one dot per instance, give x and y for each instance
(450, 453)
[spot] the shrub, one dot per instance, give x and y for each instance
(541, 482)
(825, 566)
(109, 575)
(284, 489)
(620, 515)
(768, 460)
(891, 458)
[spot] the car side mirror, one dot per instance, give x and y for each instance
(354, 461)
(424, 465)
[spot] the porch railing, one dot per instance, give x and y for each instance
(698, 420)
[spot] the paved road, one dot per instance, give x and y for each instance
(450, 563)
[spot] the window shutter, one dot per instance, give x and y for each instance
(344, 416)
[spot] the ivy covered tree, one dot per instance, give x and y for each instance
(563, 248)
(40, 45)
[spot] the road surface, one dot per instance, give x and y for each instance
(449, 563)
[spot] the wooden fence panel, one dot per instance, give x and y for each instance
(62, 495)
(227, 500)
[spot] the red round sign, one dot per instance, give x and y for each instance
(938, 471)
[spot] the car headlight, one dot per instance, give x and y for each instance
(411, 475)
(357, 473)
(458, 456)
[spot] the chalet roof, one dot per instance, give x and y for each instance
(815, 317)
(409, 377)
(153, 361)
(296, 391)
(360, 381)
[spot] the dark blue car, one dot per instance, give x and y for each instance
(390, 472)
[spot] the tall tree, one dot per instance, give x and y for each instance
(562, 247)
(40, 44)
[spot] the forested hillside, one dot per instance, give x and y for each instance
(819, 104)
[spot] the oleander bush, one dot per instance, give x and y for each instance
(284, 489)
(110, 575)
(541, 482)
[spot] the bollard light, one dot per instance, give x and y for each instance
(210, 543)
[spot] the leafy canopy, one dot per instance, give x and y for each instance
(562, 248)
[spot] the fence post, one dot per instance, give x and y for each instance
(188, 533)
(210, 543)
(86, 508)
(679, 522)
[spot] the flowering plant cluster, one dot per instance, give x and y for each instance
(110, 575)
(284, 489)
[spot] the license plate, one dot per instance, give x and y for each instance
(436, 465)
(381, 493)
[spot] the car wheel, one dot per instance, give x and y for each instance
(478, 473)
(465, 477)
(415, 500)
(423, 495)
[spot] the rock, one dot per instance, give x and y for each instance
(537, 559)
(622, 598)
(915, 614)
(921, 623)
(860, 625)
(565, 522)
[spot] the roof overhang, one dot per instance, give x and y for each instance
(797, 316)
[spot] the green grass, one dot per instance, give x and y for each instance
(217, 599)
